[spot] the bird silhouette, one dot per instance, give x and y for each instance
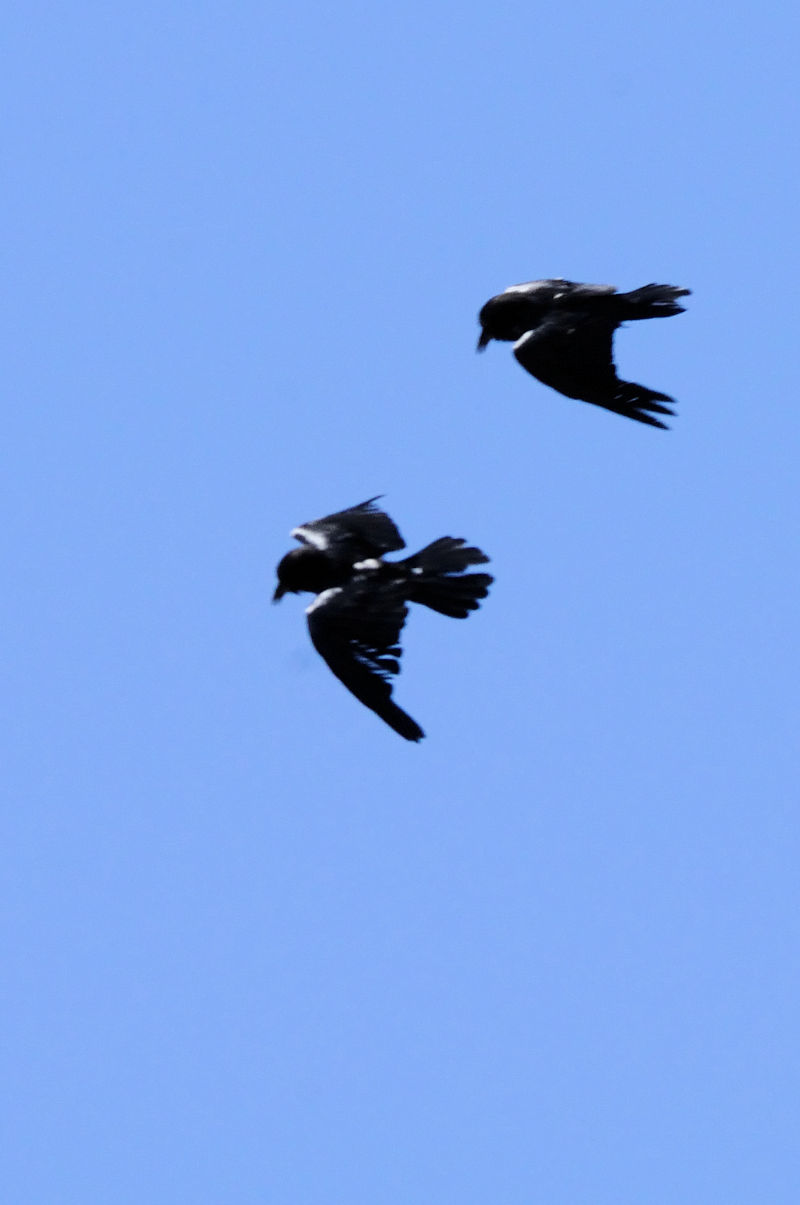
(563, 334)
(361, 601)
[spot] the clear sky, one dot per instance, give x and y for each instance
(257, 949)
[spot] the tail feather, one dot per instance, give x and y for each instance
(438, 580)
(652, 301)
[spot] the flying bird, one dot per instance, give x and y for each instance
(563, 333)
(362, 600)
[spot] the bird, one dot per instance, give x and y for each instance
(563, 332)
(361, 601)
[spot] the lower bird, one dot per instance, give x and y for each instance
(563, 333)
(362, 600)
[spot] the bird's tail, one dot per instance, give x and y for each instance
(652, 301)
(438, 580)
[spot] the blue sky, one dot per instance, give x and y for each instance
(256, 948)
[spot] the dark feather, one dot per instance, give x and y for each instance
(356, 630)
(574, 354)
(361, 531)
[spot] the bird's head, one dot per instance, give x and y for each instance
(287, 575)
(302, 569)
(508, 316)
(486, 335)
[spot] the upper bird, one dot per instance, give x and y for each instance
(563, 332)
(361, 605)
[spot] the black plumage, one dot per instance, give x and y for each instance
(362, 600)
(563, 334)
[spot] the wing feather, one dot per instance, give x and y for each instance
(573, 353)
(356, 630)
(362, 530)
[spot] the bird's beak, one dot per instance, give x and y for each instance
(279, 593)
(484, 341)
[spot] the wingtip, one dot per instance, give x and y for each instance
(400, 722)
(648, 420)
(408, 728)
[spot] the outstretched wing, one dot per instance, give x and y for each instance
(356, 630)
(572, 352)
(362, 530)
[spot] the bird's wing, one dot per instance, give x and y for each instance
(530, 288)
(356, 630)
(589, 292)
(362, 530)
(571, 351)
(557, 286)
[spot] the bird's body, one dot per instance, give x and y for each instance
(563, 334)
(362, 600)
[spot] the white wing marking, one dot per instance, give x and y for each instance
(315, 538)
(520, 343)
(534, 286)
(323, 598)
